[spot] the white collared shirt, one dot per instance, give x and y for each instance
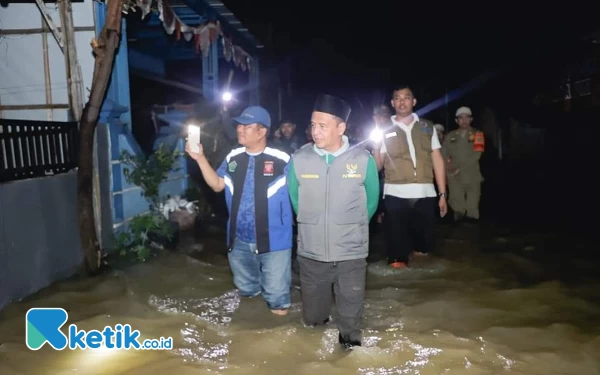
(411, 191)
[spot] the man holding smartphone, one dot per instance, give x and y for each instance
(259, 229)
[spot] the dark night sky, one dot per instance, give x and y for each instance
(359, 50)
(355, 48)
(366, 44)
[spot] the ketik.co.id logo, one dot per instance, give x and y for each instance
(42, 325)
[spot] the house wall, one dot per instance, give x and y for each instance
(39, 232)
(39, 235)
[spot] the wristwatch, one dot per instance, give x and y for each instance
(442, 195)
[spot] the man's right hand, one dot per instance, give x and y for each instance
(194, 155)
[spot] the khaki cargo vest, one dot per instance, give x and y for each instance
(399, 167)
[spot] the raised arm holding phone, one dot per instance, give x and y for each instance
(254, 179)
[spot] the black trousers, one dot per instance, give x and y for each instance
(381, 205)
(321, 282)
(409, 225)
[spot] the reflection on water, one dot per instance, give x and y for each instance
(487, 305)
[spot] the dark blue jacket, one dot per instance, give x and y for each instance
(273, 209)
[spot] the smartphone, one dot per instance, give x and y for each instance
(194, 137)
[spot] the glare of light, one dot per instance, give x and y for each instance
(109, 360)
(227, 96)
(376, 135)
(97, 354)
(104, 350)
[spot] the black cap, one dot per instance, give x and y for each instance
(332, 105)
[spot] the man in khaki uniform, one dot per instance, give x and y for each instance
(410, 154)
(462, 149)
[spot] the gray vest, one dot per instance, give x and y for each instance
(333, 222)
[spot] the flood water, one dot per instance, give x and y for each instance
(490, 302)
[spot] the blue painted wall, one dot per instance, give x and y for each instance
(126, 200)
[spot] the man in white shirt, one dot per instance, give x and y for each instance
(410, 153)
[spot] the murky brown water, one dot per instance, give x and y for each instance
(484, 307)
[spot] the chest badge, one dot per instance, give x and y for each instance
(268, 168)
(352, 171)
(232, 166)
(426, 129)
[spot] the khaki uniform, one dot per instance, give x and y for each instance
(462, 150)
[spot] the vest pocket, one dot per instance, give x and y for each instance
(425, 140)
(308, 217)
(310, 235)
(350, 231)
(348, 218)
(349, 240)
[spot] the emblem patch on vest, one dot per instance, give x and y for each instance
(426, 129)
(351, 171)
(268, 169)
(232, 166)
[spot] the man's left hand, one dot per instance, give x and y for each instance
(443, 206)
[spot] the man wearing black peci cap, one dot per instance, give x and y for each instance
(334, 190)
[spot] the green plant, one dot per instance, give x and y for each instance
(146, 231)
(150, 172)
(138, 240)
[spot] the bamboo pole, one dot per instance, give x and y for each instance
(47, 79)
(71, 63)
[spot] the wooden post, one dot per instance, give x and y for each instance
(51, 24)
(71, 63)
(104, 51)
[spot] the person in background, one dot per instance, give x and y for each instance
(334, 190)
(285, 138)
(440, 132)
(308, 133)
(463, 148)
(259, 229)
(410, 154)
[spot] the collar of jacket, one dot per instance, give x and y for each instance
(329, 156)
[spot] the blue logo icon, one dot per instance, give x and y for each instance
(42, 325)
